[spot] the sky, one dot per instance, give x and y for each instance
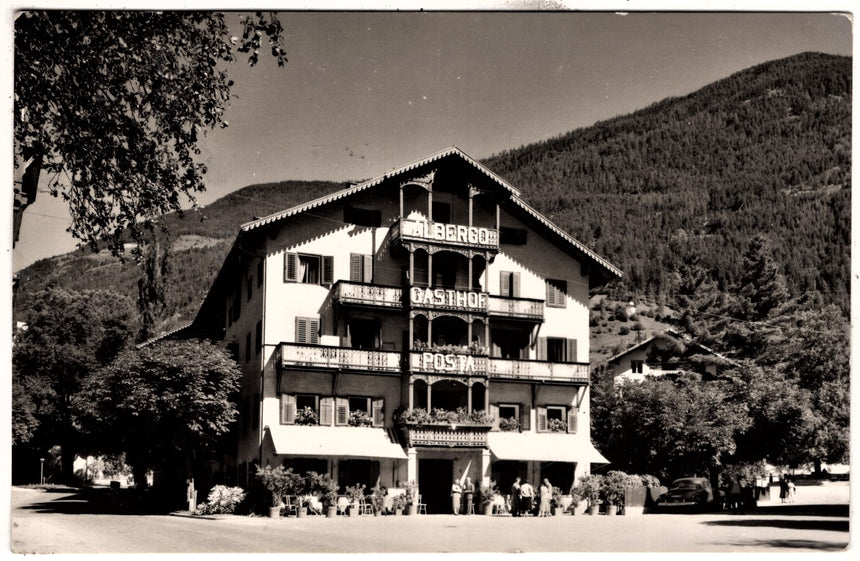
(364, 92)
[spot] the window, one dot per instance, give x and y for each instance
(372, 407)
(557, 418)
(636, 366)
(441, 212)
(360, 267)
(307, 400)
(502, 412)
(556, 349)
(509, 411)
(248, 347)
(364, 333)
(308, 269)
(260, 274)
(259, 336)
(307, 331)
(291, 404)
(556, 292)
(362, 216)
(513, 236)
(509, 284)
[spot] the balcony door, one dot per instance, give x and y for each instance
(435, 477)
(364, 333)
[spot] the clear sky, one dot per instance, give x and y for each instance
(365, 92)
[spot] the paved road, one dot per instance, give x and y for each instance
(59, 522)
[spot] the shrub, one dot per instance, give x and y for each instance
(327, 488)
(307, 416)
(509, 425)
(222, 500)
(588, 489)
(556, 425)
(614, 485)
(623, 330)
(359, 418)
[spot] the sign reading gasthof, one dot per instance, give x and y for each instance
(430, 297)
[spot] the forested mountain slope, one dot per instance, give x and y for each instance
(687, 180)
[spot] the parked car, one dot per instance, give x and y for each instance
(691, 492)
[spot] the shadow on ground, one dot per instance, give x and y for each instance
(100, 501)
(794, 544)
(787, 523)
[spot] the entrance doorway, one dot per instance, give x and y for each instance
(434, 484)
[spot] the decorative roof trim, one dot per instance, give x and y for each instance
(372, 183)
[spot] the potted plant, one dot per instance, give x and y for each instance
(328, 494)
(614, 486)
(306, 416)
(377, 499)
(411, 498)
(509, 424)
(488, 497)
(274, 482)
(300, 486)
(359, 418)
(355, 494)
(399, 503)
(556, 502)
(588, 489)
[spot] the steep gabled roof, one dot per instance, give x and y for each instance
(674, 335)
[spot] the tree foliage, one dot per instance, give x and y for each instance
(67, 337)
(111, 105)
(161, 403)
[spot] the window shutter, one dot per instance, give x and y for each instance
(341, 411)
(301, 330)
(378, 412)
(494, 413)
(550, 294)
(541, 348)
(505, 283)
(515, 285)
(571, 350)
(541, 419)
(526, 418)
(327, 269)
(368, 268)
(314, 331)
(572, 415)
(355, 267)
(291, 267)
(326, 407)
(288, 409)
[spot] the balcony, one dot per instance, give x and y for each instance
(538, 370)
(515, 308)
(296, 355)
(449, 436)
(440, 233)
(456, 363)
(374, 295)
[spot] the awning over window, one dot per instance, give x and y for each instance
(352, 442)
(544, 447)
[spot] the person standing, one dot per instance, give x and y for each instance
(527, 495)
(792, 489)
(456, 493)
(468, 495)
(545, 496)
(516, 494)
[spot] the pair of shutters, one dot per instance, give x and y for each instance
(360, 267)
(291, 268)
(509, 284)
(331, 409)
(308, 331)
(525, 416)
(569, 350)
(572, 419)
(556, 293)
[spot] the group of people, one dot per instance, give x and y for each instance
(787, 490)
(526, 501)
(462, 496)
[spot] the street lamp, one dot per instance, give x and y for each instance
(41, 471)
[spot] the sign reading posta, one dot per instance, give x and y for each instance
(439, 362)
(447, 298)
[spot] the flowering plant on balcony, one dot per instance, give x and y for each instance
(509, 424)
(474, 349)
(419, 416)
(307, 416)
(556, 425)
(359, 418)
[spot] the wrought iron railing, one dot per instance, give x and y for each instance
(447, 435)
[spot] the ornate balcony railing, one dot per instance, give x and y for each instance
(296, 355)
(451, 436)
(431, 362)
(445, 234)
(538, 370)
(515, 307)
(362, 294)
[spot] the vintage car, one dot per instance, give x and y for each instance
(691, 492)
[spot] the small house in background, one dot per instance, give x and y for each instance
(667, 353)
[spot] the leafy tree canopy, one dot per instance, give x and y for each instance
(112, 105)
(161, 402)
